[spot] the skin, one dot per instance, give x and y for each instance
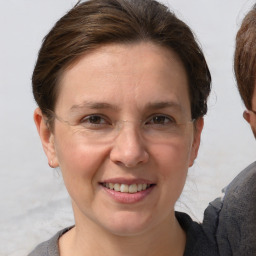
(127, 77)
(250, 116)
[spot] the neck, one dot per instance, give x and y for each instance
(87, 238)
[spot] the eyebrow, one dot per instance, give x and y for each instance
(93, 105)
(162, 105)
(105, 105)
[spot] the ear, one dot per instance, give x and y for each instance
(199, 124)
(247, 116)
(47, 137)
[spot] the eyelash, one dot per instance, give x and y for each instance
(167, 118)
(87, 120)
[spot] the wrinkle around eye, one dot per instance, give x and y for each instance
(95, 122)
(164, 120)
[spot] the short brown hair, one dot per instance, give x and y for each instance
(245, 57)
(91, 24)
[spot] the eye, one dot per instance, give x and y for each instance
(160, 120)
(95, 121)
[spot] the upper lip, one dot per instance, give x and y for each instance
(127, 181)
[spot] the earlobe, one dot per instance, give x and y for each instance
(47, 137)
(196, 141)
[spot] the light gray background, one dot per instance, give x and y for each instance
(34, 203)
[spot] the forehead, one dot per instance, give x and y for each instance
(126, 73)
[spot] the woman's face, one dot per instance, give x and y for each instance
(116, 128)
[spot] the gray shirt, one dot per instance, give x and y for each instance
(236, 232)
(231, 220)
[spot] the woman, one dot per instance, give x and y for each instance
(121, 88)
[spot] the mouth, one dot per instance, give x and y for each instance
(125, 188)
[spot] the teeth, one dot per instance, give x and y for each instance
(124, 188)
(117, 187)
(133, 188)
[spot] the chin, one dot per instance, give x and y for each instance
(128, 223)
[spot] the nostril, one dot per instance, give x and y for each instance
(129, 149)
(131, 162)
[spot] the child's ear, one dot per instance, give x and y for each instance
(199, 124)
(247, 116)
(46, 136)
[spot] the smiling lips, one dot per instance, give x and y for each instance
(127, 192)
(125, 188)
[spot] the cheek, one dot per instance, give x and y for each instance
(253, 124)
(79, 162)
(172, 164)
(254, 130)
(173, 157)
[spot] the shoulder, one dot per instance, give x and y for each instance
(243, 183)
(49, 247)
(236, 230)
(198, 242)
(230, 221)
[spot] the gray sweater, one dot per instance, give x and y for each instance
(232, 220)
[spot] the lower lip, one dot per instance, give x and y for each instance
(128, 198)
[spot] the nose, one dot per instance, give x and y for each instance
(128, 148)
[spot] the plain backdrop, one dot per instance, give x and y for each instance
(34, 203)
